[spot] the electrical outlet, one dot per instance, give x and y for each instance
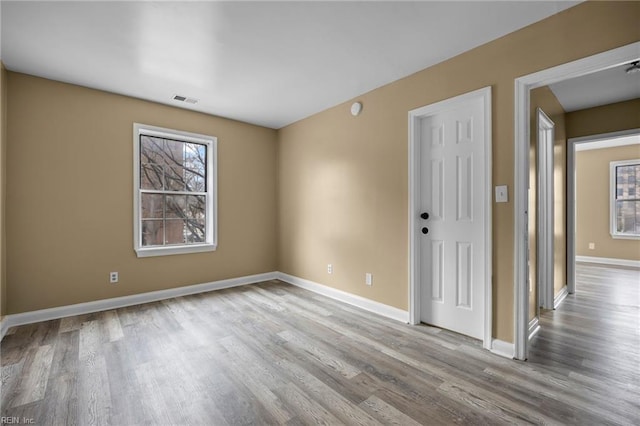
(368, 278)
(592, 246)
(329, 269)
(113, 277)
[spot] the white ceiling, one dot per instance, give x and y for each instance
(596, 89)
(268, 63)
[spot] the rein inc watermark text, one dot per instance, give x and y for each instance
(6, 420)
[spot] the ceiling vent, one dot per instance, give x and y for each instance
(635, 67)
(185, 99)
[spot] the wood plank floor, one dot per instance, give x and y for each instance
(276, 354)
(594, 337)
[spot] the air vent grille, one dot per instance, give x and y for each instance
(181, 98)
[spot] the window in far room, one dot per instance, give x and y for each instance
(625, 199)
(174, 191)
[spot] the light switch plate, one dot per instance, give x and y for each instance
(502, 194)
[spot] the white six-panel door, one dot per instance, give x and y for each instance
(452, 239)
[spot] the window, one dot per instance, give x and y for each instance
(625, 199)
(174, 191)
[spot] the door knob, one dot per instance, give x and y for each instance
(425, 215)
(425, 230)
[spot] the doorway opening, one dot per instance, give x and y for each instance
(523, 86)
(592, 161)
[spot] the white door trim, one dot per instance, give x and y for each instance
(523, 85)
(414, 203)
(545, 231)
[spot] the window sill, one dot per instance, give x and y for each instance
(625, 237)
(166, 251)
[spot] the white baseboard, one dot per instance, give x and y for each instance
(502, 348)
(9, 321)
(534, 327)
(609, 261)
(557, 301)
(351, 299)
(120, 302)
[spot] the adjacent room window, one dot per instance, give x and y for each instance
(174, 191)
(625, 199)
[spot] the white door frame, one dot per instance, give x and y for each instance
(523, 85)
(414, 203)
(546, 201)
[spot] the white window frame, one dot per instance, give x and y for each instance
(211, 203)
(613, 197)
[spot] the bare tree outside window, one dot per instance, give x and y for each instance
(173, 184)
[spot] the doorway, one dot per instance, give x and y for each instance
(450, 214)
(523, 85)
(586, 240)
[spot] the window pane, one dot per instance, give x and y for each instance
(627, 217)
(194, 232)
(151, 176)
(152, 233)
(152, 206)
(195, 156)
(634, 179)
(151, 170)
(176, 206)
(172, 165)
(621, 175)
(173, 156)
(174, 231)
(151, 149)
(627, 182)
(195, 161)
(195, 208)
(195, 182)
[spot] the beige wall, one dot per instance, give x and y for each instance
(604, 119)
(592, 204)
(544, 98)
(343, 180)
(69, 198)
(3, 184)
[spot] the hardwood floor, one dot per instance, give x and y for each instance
(276, 354)
(594, 336)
